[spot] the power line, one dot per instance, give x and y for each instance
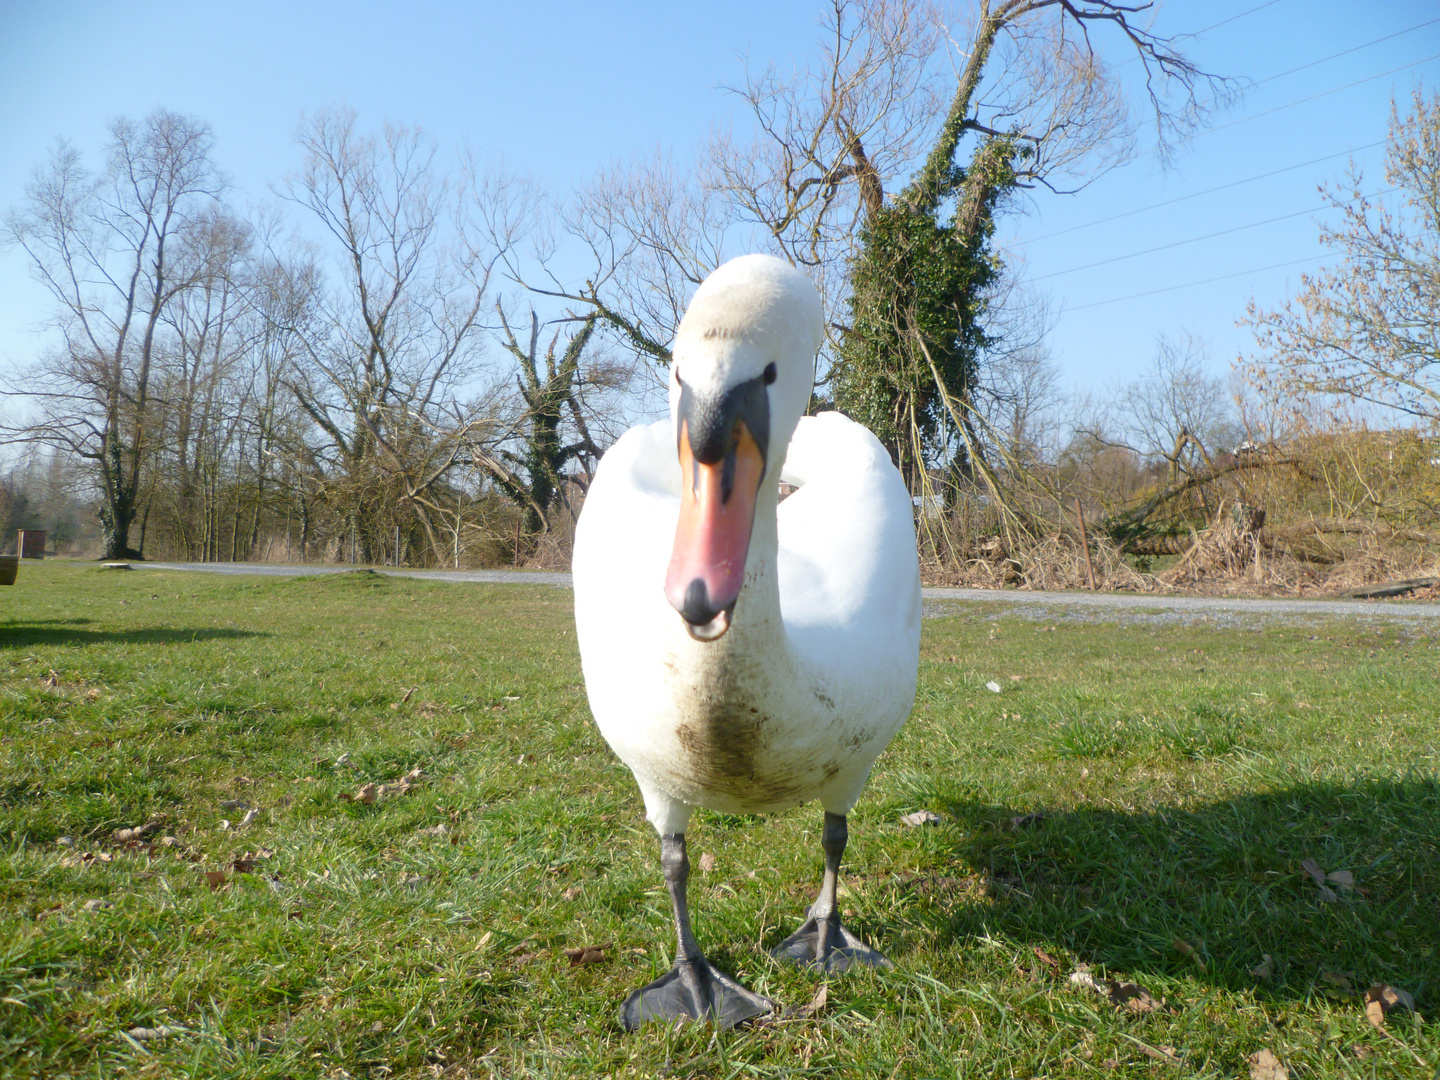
(1314, 97)
(1232, 18)
(1347, 52)
(1196, 194)
(1267, 112)
(1192, 284)
(1207, 236)
(1212, 26)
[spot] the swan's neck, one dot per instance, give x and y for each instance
(762, 579)
(758, 631)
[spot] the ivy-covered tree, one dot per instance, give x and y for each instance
(533, 474)
(919, 278)
(922, 269)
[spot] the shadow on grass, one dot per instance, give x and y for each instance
(1119, 890)
(14, 635)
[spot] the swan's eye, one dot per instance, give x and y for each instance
(770, 374)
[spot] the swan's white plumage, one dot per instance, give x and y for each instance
(817, 672)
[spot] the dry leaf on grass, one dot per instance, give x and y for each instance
(707, 863)
(921, 817)
(1383, 999)
(97, 905)
(1026, 820)
(433, 830)
(1311, 867)
(813, 1007)
(245, 864)
(234, 804)
(571, 893)
(215, 879)
(250, 816)
(86, 858)
(1046, 959)
(993, 686)
(139, 832)
(1161, 1053)
(587, 954)
(1265, 969)
(1129, 996)
(1264, 1065)
(371, 793)
(155, 1034)
(1133, 998)
(1184, 948)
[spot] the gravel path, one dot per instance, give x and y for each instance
(492, 577)
(1039, 606)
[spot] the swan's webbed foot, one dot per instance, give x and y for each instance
(822, 942)
(694, 990)
(826, 945)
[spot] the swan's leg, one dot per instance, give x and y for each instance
(692, 989)
(822, 942)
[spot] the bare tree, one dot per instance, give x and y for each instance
(391, 376)
(1369, 328)
(208, 331)
(1177, 411)
(106, 249)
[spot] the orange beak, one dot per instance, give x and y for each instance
(712, 538)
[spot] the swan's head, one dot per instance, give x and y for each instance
(742, 371)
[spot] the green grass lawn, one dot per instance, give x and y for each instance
(1184, 772)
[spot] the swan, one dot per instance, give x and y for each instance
(740, 653)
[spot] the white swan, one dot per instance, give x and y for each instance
(743, 654)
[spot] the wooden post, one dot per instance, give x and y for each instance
(517, 541)
(1085, 545)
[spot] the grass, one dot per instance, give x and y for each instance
(1184, 773)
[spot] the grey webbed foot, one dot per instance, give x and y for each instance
(822, 942)
(693, 990)
(825, 945)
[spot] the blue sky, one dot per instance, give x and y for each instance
(560, 89)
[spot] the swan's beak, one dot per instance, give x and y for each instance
(717, 512)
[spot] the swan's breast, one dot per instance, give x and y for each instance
(741, 737)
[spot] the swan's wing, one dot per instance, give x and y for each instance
(849, 575)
